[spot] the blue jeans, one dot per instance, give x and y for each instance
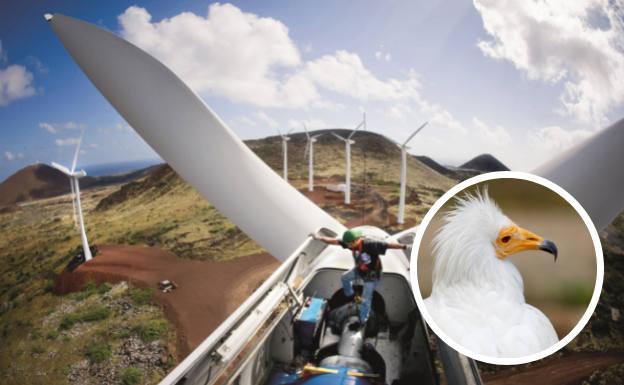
(367, 293)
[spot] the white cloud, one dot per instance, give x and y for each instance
(9, 156)
(93, 145)
(266, 120)
(492, 135)
(48, 127)
(344, 73)
(54, 128)
(252, 59)
(558, 41)
(556, 138)
(311, 124)
(16, 82)
(228, 53)
(66, 141)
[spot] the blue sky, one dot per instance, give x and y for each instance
(522, 80)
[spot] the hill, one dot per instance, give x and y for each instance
(33, 182)
(485, 163)
(42, 181)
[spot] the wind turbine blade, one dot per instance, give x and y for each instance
(317, 135)
(175, 122)
(75, 161)
(414, 134)
(307, 149)
(62, 169)
(339, 137)
(592, 172)
(305, 129)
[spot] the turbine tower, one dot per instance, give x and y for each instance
(348, 143)
(285, 140)
(75, 188)
(403, 147)
(309, 153)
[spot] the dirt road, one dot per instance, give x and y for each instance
(208, 291)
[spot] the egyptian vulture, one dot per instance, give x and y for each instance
(477, 298)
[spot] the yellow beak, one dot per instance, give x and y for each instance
(514, 239)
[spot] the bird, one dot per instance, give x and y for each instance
(477, 297)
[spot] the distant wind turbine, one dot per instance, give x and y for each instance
(75, 188)
(285, 140)
(403, 147)
(309, 153)
(348, 143)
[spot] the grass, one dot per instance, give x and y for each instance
(131, 376)
(151, 330)
(91, 314)
(98, 352)
(141, 296)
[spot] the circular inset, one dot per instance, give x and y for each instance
(491, 236)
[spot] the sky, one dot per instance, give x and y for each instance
(522, 80)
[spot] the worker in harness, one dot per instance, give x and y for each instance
(368, 266)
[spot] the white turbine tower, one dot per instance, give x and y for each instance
(309, 153)
(403, 147)
(285, 140)
(75, 188)
(348, 143)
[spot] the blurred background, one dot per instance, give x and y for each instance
(562, 289)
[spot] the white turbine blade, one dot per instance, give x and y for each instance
(307, 148)
(317, 135)
(62, 169)
(305, 129)
(592, 172)
(75, 161)
(414, 134)
(185, 132)
(339, 137)
(358, 126)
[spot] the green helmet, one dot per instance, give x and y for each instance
(350, 236)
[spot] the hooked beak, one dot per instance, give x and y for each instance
(514, 239)
(549, 247)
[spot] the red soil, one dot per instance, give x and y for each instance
(570, 369)
(207, 291)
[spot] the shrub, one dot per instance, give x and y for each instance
(37, 349)
(98, 352)
(95, 314)
(69, 320)
(104, 288)
(52, 335)
(151, 330)
(92, 314)
(131, 376)
(141, 296)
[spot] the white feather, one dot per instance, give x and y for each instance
(477, 299)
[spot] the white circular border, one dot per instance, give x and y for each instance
(507, 175)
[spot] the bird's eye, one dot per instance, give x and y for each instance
(505, 239)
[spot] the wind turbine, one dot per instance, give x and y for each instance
(75, 189)
(285, 139)
(348, 143)
(309, 152)
(403, 147)
(280, 218)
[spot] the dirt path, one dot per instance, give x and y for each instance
(570, 369)
(208, 291)
(371, 203)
